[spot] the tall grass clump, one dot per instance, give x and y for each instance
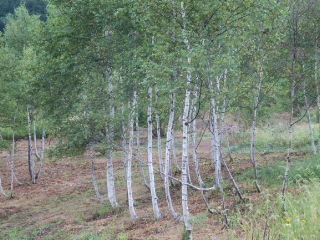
(272, 216)
(301, 217)
(268, 220)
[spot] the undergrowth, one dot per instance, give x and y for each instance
(307, 169)
(268, 220)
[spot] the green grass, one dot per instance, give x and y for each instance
(304, 170)
(299, 221)
(274, 138)
(106, 210)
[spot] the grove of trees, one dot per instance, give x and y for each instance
(95, 72)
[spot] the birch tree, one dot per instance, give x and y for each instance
(132, 210)
(154, 197)
(185, 131)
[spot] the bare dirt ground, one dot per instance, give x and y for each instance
(62, 205)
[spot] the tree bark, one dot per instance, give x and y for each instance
(110, 171)
(93, 174)
(159, 136)
(194, 141)
(140, 155)
(43, 146)
(314, 149)
(317, 86)
(287, 171)
(30, 150)
(168, 160)
(132, 210)
(154, 197)
(215, 138)
(185, 135)
(254, 129)
(2, 191)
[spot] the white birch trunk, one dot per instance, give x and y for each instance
(314, 149)
(12, 158)
(131, 203)
(168, 160)
(254, 129)
(185, 156)
(174, 150)
(43, 147)
(154, 197)
(124, 141)
(10, 161)
(318, 100)
(2, 191)
(110, 171)
(31, 155)
(93, 174)
(317, 87)
(238, 191)
(159, 137)
(185, 135)
(223, 130)
(37, 155)
(216, 145)
(194, 141)
(140, 155)
(287, 172)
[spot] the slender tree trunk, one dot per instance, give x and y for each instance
(131, 203)
(229, 149)
(93, 174)
(314, 149)
(30, 150)
(225, 103)
(287, 172)
(2, 191)
(159, 137)
(124, 142)
(174, 150)
(37, 155)
(140, 155)
(185, 156)
(167, 166)
(43, 147)
(185, 135)
(294, 22)
(254, 129)
(12, 158)
(216, 147)
(194, 141)
(10, 161)
(238, 191)
(110, 172)
(317, 87)
(154, 197)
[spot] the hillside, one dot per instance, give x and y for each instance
(63, 205)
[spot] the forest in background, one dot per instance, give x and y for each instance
(96, 72)
(37, 7)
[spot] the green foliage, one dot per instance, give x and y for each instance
(186, 235)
